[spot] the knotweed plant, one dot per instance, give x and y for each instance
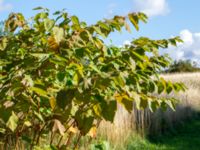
(58, 78)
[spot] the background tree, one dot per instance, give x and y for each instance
(183, 66)
(59, 78)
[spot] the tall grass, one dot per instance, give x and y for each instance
(147, 123)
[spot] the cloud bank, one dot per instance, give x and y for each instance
(190, 49)
(151, 7)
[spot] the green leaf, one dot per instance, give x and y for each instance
(169, 87)
(85, 123)
(39, 91)
(12, 122)
(119, 80)
(38, 8)
(48, 24)
(104, 26)
(128, 104)
(109, 110)
(142, 17)
(75, 20)
(3, 43)
(153, 105)
(134, 20)
(137, 55)
(26, 139)
(98, 30)
(64, 98)
(39, 116)
(103, 145)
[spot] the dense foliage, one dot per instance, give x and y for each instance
(59, 78)
(183, 66)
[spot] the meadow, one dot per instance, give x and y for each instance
(133, 129)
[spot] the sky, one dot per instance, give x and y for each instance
(167, 18)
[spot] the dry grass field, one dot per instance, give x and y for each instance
(158, 122)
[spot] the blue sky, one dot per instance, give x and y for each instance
(167, 18)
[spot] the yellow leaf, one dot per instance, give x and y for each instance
(73, 130)
(52, 44)
(52, 102)
(27, 123)
(93, 132)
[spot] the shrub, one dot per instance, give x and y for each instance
(59, 78)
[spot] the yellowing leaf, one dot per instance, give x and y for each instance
(27, 123)
(12, 122)
(52, 102)
(58, 34)
(73, 130)
(97, 110)
(48, 24)
(125, 101)
(3, 43)
(93, 132)
(53, 44)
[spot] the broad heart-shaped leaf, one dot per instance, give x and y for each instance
(109, 110)
(153, 105)
(125, 101)
(75, 20)
(84, 122)
(58, 34)
(169, 87)
(12, 122)
(64, 98)
(106, 110)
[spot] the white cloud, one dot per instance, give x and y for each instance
(190, 49)
(4, 6)
(187, 37)
(127, 42)
(151, 7)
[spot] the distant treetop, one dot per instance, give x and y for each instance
(183, 66)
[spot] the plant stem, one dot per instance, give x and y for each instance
(76, 145)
